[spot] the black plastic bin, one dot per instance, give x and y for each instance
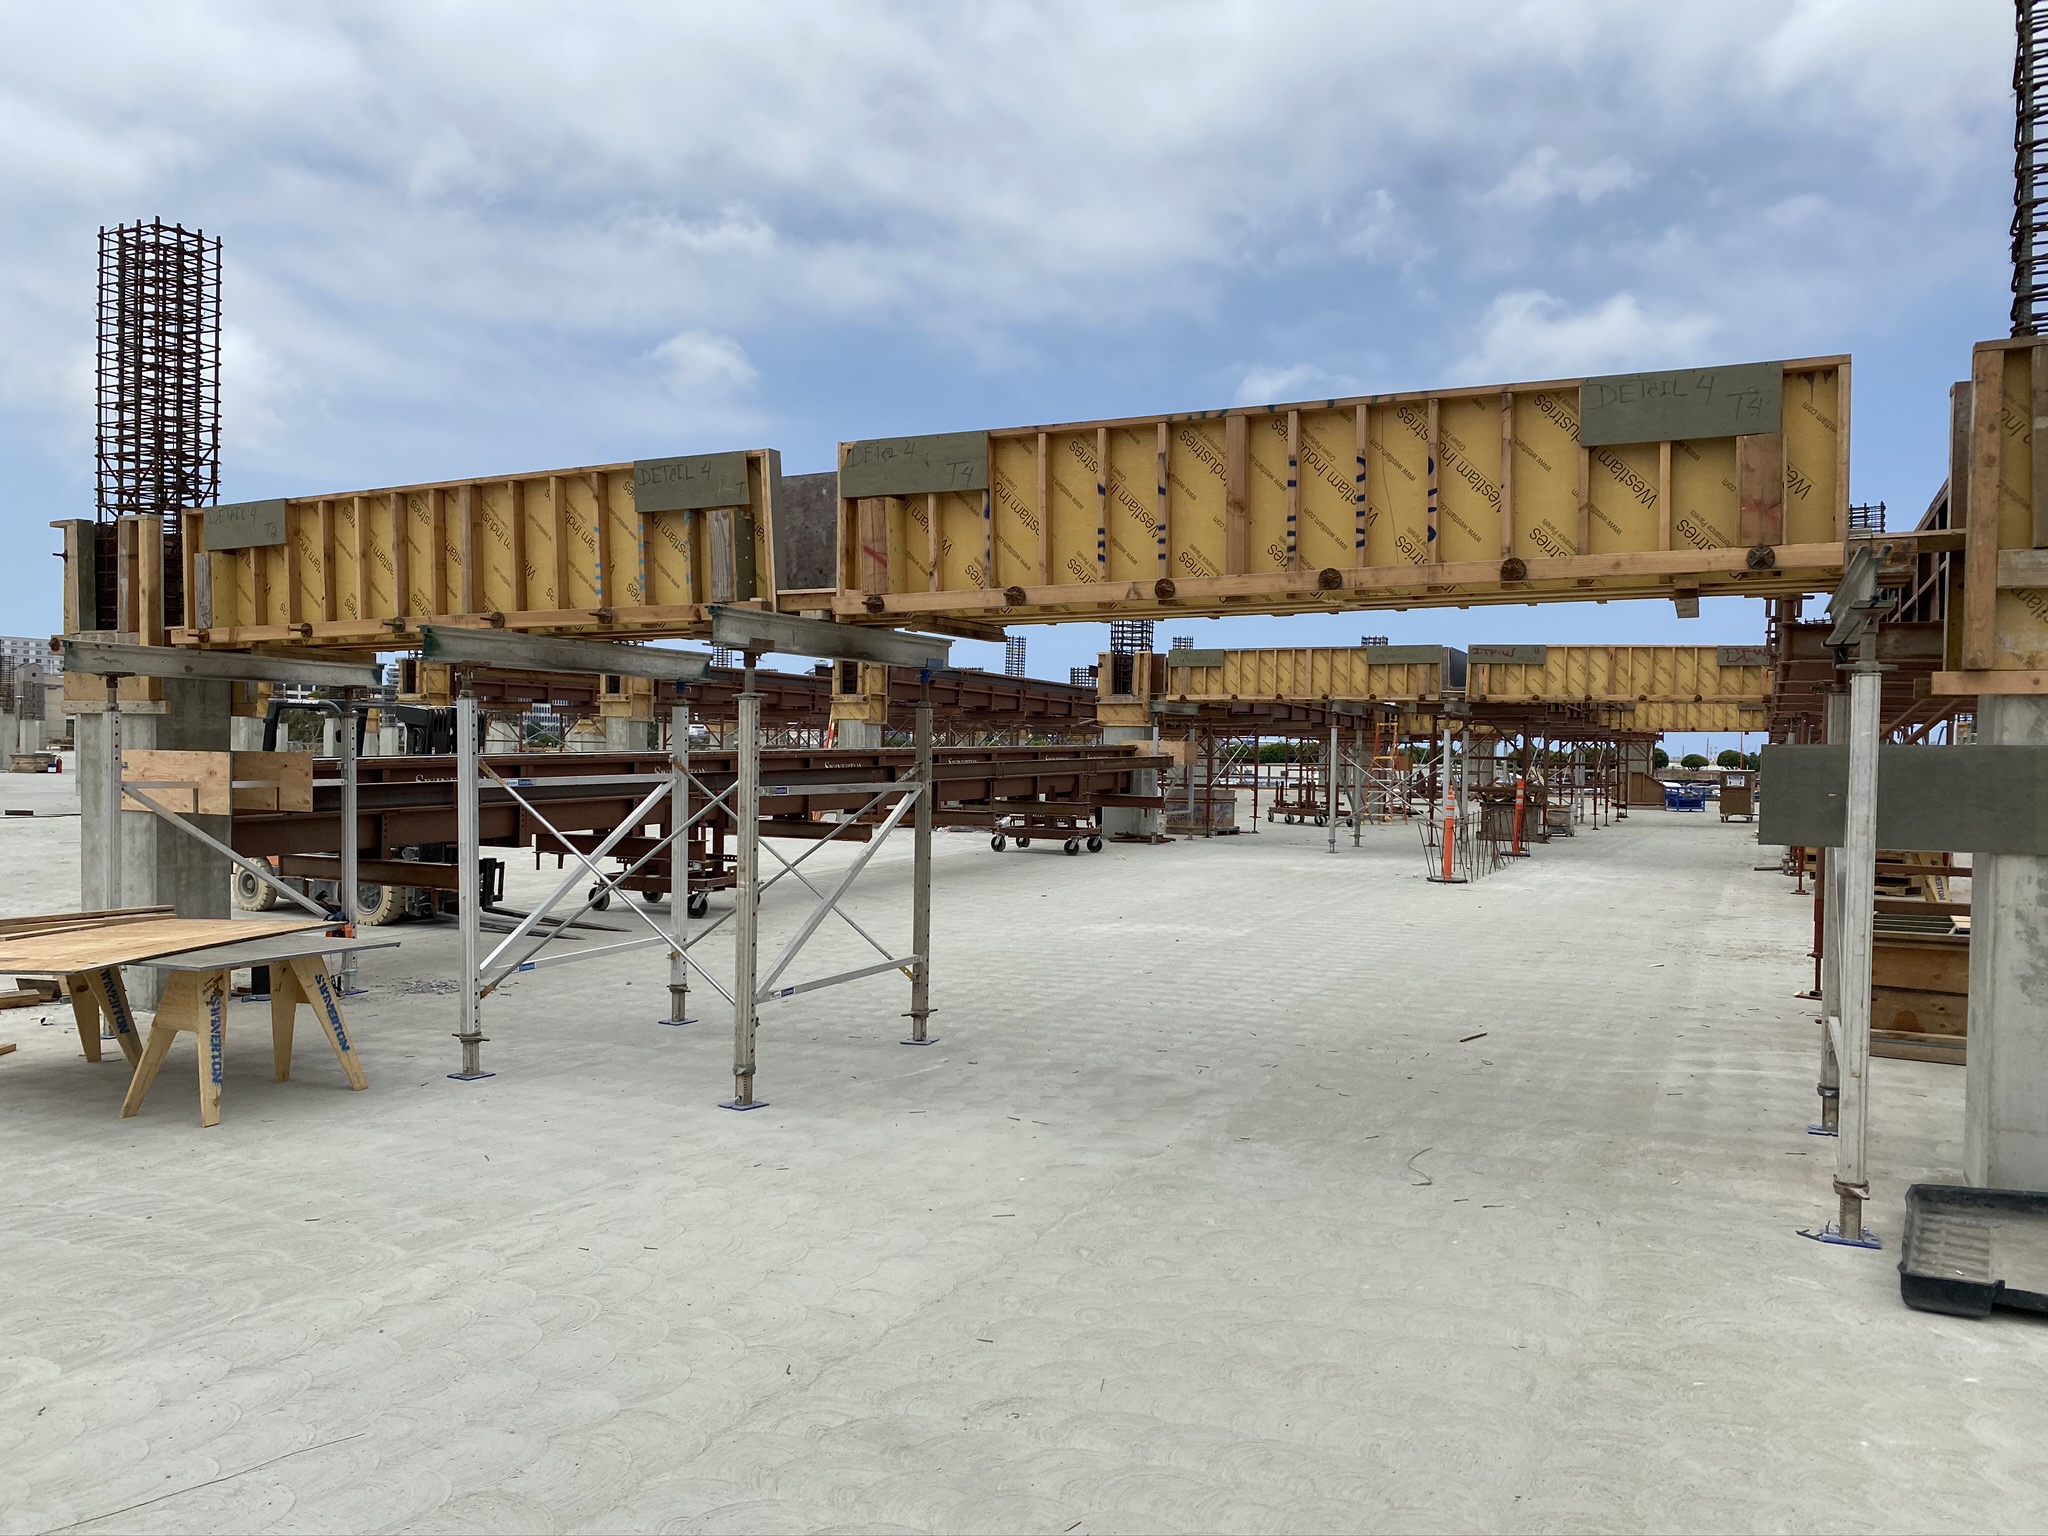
(1968, 1250)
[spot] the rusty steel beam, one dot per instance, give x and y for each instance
(410, 801)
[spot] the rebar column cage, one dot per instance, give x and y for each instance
(2030, 170)
(158, 379)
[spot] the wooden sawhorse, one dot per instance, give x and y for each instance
(195, 1001)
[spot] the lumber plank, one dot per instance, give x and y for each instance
(50, 922)
(1165, 450)
(1236, 468)
(1980, 546)
(1044, 512)
(1507, 473)
(63, 953)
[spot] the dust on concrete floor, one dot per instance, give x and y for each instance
(1204, 1214)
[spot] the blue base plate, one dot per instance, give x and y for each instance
(675, 1023)
(1821, 1130)
(469, 1077)
(1834, 1235)
(735, 1104)
(934, 1040)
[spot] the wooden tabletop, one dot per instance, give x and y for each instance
(262, 951)
(90, 948)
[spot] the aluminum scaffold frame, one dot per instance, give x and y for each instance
(1850, 873)
(754, 634)
(482, 977)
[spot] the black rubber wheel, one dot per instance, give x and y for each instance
(1023, 842)
(699, 903)
(1073, 845)
(600, 899)
(251, 894)
(999, 842)
(1095, 845)
(1322, 821)
(377, 905)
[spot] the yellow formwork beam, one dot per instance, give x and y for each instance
(1650, 688)
(1383, 673)
(1453, 497)
(635, 549)
(1620, 674)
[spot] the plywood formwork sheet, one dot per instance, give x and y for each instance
(1451, 497)
(1636, 674)
(89, 949)
(2002, 643)
(584, 550)
(1365, 673)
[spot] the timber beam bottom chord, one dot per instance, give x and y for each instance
(684, 621)
(1794, 569)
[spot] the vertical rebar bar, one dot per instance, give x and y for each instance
(2030, 169)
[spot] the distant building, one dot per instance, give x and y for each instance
(23, 650)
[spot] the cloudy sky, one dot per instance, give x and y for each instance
(471, 238)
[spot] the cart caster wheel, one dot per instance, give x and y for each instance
(1095, 845)
(700, 903)
(998, 842)
(1023, 842)
(1322, 821)
(600, 900)
(1072, 845)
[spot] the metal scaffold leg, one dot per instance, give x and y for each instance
(921, 882)
(1330, 784)
(679, 868)
(1849, 1025)
(469, 896)
(746, 897)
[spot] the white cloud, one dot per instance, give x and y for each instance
(1278, 385)
(702, 367)
(1542, 176)
(1528, 334)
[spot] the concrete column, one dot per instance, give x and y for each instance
(1123, 821)
(2005, 1093)
(624, 735)
(160, 864)
(864, 734)
(391, 740)
(245, 733)
(502, 735)
(330, 737)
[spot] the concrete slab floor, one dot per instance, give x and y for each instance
(1203, 1215)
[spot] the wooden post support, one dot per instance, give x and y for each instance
(1980, 542)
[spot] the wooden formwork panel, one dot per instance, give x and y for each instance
(1450, 497)
(2000, 463)
(1308, 672)
(1635, 674)
(579, 550)
(1721, 716)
